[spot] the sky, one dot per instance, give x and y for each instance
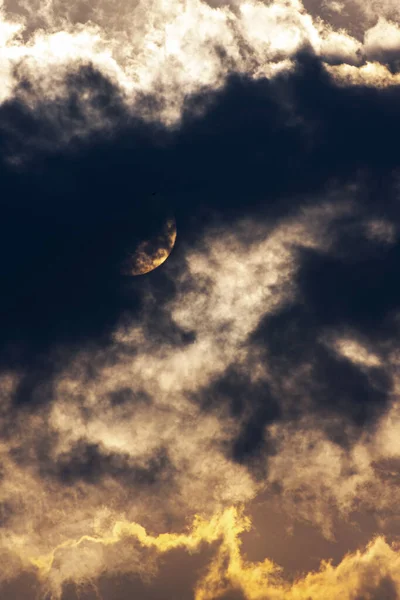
(227, 425)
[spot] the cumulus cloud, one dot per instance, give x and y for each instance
(156, 50)
(382, 40)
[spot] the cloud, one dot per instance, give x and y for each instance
(149, 52)
(262, 360)
(126, 417)
(372, 573)
(374, 10)
(308, 132)
(200, 413)
(383, 40)
(318, 478)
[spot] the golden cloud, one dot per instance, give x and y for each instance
(364, 573)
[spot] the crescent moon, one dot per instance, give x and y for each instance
(152, 253)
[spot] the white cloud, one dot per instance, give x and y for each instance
(172, 49)
(382, 39)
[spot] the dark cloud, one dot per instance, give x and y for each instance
(25, 586)
(89, 463)
(176, 577)
(255, 147)
(333, 384)
(253, 404)
(6, 510)
(386, 589)
(364, 292)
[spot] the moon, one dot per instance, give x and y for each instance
(152, 253)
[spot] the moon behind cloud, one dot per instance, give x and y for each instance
(152, 253)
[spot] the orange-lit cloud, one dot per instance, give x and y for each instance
(367, 573)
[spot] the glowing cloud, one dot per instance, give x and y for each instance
(375, 569)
